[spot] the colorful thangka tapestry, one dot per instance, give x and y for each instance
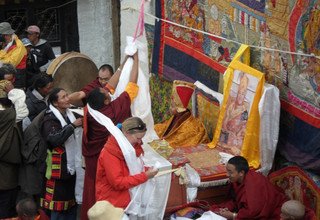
(282, 25)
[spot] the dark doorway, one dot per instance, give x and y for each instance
(57, 20)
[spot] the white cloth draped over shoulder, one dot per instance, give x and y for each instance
(148, 200)
(73, 146)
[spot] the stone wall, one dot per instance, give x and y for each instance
(95, 30)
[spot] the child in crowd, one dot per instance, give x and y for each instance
(27, 210)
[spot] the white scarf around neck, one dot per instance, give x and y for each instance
(73, 146)
(71, 143)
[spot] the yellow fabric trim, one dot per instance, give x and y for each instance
(15, 55)
(132, 89)
(49, 190)
(56, 167)
(250, 147)
(190, 133)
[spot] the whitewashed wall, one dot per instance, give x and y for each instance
(129, 21)
(95, 30)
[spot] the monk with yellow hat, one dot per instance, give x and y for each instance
(182, 129)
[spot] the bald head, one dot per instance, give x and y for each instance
(292, 209)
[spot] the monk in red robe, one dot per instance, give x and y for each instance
(96, 135)
(105, 73)
(252, 196)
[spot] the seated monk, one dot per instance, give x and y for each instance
(182, 129)
(252, 196)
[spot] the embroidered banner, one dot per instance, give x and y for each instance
(285, 25)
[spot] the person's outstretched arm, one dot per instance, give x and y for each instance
(132, 88)
(135, 68)
(113, 82)
(75, 98)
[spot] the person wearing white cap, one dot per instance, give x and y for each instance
(105, 210)
(13, 52)
(41, 51)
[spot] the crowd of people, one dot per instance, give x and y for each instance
(41, 138)
(54, 159)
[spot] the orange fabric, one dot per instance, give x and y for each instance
(132, 89)
(113, 180)
(184, 131)
(110, 88)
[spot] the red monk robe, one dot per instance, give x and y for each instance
(255, 198)
(94, 84)
(95, 138)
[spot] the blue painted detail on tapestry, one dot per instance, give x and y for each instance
(206, 46)
(258, 5)
(157, 41)
(190, 67)
(247, 12)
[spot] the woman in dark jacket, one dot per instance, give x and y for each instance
(57, 129)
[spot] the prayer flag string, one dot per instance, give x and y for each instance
(210, 34)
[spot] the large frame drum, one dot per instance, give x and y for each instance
(72, 71)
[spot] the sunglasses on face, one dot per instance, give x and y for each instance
(139, 127)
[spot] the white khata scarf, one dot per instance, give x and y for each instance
(73, 151)
(71, 143)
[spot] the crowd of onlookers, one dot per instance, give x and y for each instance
(44, 145)
(24, 87)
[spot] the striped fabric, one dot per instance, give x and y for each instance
(47, 202)
(57, 205)
(56, 162)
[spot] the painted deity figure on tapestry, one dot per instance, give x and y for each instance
(271, 60)
(311, 31)
(295, 191)
(304, 82)
(187, 13)
(235, 120)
